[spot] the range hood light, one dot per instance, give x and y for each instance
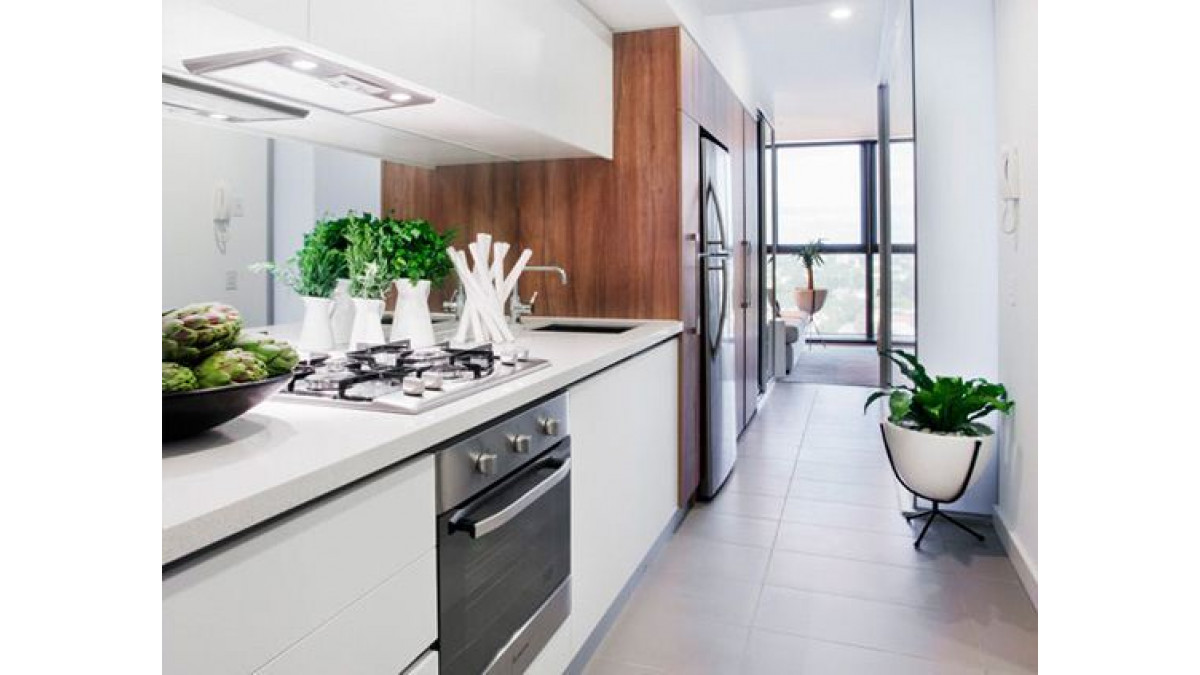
(294, 74)
(200, 99)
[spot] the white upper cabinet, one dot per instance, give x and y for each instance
(520, 79)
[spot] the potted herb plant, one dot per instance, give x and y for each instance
(810, 300)
(933, 427)
(313, 273)
(334, 233)
(416, 255)
(367, 266)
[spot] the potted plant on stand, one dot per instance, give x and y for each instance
(416, 254)
(367, 265)
(935, 441)
(313, 273)
(810, 300)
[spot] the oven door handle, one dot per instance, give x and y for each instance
(480, 528)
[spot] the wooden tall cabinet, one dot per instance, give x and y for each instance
(627, 230)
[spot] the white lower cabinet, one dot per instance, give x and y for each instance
(308, 585)
(624, 456)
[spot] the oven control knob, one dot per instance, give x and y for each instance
(485, 463)
(520, 442)
(549, 426)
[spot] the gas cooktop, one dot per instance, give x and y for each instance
(397, 378)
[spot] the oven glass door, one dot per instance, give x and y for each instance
(500, 557)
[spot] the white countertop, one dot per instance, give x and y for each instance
(281, 454)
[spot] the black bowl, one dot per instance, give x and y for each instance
(187, 413)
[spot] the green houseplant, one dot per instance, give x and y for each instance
(313, 273)
(810, 299)
(416, 258)
(935, 440)
(369, 271)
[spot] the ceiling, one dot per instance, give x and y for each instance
(816, 76)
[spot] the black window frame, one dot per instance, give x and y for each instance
(868, 245)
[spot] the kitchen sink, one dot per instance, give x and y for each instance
(607, 328)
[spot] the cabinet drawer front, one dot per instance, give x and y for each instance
(378, 635)
(236, 608)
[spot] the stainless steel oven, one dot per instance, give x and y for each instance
(504, 541)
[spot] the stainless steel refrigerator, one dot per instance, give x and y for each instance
(716, 262)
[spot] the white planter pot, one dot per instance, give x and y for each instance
(367, 330)
(934, 465)
(343, 312)
(316, 333)
(411, 318)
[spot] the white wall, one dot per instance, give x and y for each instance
(310, 183)
(957, 297)
(195, 159)
(1016, 100)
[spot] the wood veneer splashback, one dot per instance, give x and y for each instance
(614, 225)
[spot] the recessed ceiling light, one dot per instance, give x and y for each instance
(218, 116)
(304, 64)
(841, 13)
(400, 97)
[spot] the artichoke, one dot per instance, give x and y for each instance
(279, 356)
(232, 366)
(191, 333)
(177, 378)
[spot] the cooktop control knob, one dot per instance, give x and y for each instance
(485, 463)
(549, 426)
(520, 442)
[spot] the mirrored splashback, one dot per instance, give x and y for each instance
(232, 198)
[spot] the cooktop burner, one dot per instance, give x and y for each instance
(397, 378)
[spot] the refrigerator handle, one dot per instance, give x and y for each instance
(745, 275)
(714, 342)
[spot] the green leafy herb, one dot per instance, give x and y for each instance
(949, 405)
(314, 270)
(366, 257)
(415, 251)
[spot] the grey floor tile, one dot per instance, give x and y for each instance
(840, 473)
(929, 634)
(726, 600)
(846, 456)
(833, 514)
(749, 505)
(704, 523)
(768, 448)
(911, 586)
(765, 467)
(674, 642)
(598, 666)
(772, 653)
(867, 546)
(1006, 621)
(758, 484)
(709, 561)
(881, 496)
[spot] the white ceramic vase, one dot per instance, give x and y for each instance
(934, 465)
(316, 333)
(368, 323)
(411, 319)
(343, 312)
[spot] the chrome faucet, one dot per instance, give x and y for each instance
(518, 308)
(455, 304)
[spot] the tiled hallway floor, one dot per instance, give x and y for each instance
(803, 564)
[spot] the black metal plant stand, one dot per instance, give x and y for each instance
(935, 512)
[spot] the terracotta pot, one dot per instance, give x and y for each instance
(810, 301)
(934, 465)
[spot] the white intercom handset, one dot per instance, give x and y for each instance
(222, 215)
(1010, 188)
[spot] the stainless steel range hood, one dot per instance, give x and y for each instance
(300, 76)
(198, 99)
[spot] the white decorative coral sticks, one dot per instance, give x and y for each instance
(487, 289)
